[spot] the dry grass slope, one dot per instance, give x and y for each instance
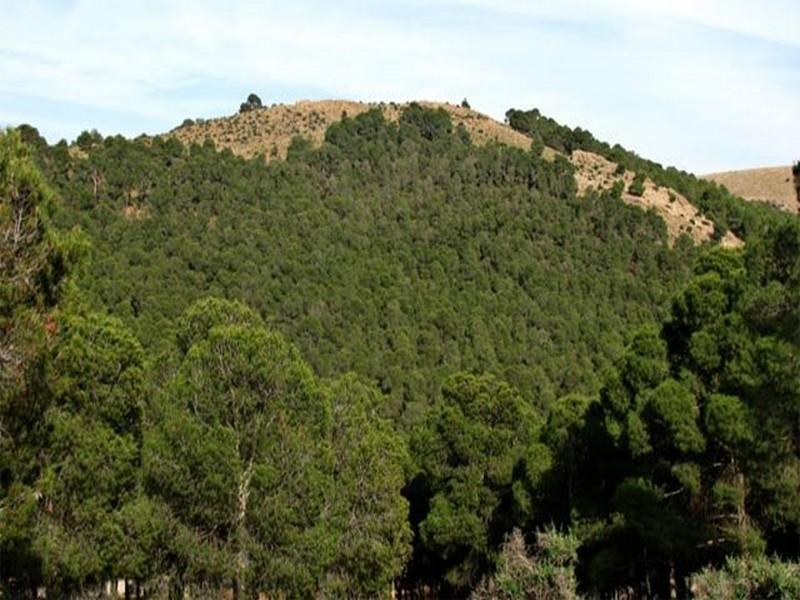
(270, 130)
(773, 185)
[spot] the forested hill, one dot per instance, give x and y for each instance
(399, 250)
(394, 359)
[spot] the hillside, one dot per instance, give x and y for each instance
(270, 130)
(369, 250)
(393, 361)
(773, 185)
(680, 215)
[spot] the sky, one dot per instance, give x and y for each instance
(705, 85)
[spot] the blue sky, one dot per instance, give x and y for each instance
(702, 84)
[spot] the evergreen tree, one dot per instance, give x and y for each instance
(478, 459)
(34, 264)
(370, 514)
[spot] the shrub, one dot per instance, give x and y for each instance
(548, 574)
(253, 102)
(637, 185)
(743, 578)
(617, 189)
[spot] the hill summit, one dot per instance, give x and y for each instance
(269, 131)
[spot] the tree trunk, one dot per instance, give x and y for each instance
(241, 531)
(673, 584)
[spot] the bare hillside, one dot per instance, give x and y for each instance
(773, 185)
(269, 130)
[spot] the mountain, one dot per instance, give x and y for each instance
(397, 249)
(268, 131)
(773, 185)
(364, 232)
(385, 357)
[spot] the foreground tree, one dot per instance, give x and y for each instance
(271, 483)
(699, 425)
(370, 513)
(235, 456)
(479, 461)
(91, 457)
(34, 264)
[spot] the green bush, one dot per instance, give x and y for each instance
(637, 185)
(548, 574)
(743, 578)
(253, 102)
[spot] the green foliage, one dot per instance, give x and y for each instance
(34, 265)
(253, 102)
(637, 185)
(695, 418)
(745, 578)
(200, 318)
(231, 455)
(431, 124)
(478, 459)
(370, 463)
(728, 421)
(34, 261)
(268, 480)
(92, 450)
(399, 251)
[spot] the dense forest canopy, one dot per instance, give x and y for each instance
(395, 360)
(399, 251)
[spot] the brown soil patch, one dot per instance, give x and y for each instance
(773, 185)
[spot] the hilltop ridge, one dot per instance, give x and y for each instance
(269, 130)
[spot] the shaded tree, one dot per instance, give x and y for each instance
(253, 102)
(34, 264)
(479, 460)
